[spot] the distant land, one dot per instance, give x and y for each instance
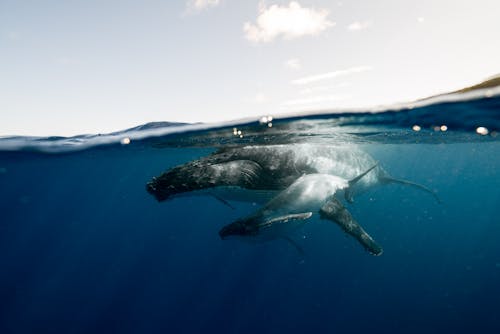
(150, 125)
(492, 82)
(489, 83)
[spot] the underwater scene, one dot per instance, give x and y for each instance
(381, 221)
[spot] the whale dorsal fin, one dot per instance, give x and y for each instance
(348, 191)
(360, 176)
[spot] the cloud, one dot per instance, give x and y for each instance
(358, 25)
(331, 75)
(288, 22)
(293, 64)
(198, 5)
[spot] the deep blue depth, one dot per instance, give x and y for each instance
(85, 249)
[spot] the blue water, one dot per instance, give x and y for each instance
(85, 249)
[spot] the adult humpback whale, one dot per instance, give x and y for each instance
(270, 168)
(310, 177)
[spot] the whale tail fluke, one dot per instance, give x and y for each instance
(388, 179)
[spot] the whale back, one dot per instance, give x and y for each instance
(344, 161)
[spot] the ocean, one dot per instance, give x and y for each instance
(84, 248)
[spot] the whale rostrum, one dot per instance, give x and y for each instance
(295, 181)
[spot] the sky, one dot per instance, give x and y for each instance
(70, 67)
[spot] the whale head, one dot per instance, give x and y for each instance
(195, 175)
(238, 228)
(175, 181)
(213, 171)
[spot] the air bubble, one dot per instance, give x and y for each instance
(481, 130)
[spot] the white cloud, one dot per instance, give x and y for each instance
(358, 25)
(330, 75)
(289, 22)
(202, 4)
(421, 19)
(293, 64)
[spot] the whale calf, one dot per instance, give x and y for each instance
(309, 195)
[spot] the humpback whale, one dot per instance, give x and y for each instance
(266, 169)
(294, 181)
(298, 203)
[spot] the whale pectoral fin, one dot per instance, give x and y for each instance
(388, 179)
(334, 210)
(295, 245)
(286, 219)
(348, 193)
(222, 200)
